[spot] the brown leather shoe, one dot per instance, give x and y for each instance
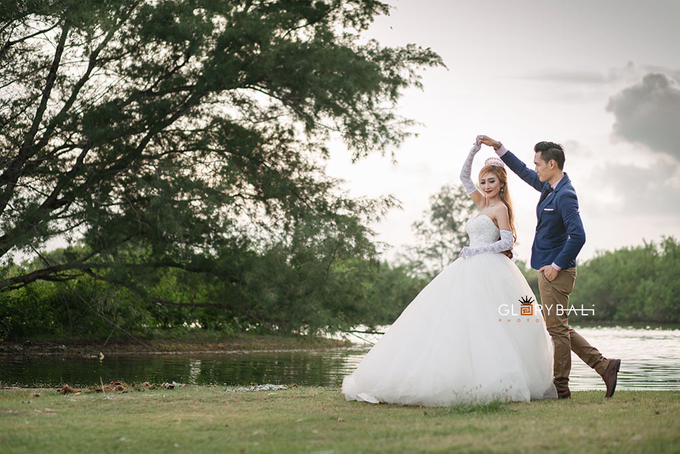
(564, 395)
(610, 376)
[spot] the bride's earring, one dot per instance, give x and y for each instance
(502, 192)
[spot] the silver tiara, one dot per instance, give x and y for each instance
(494, 161)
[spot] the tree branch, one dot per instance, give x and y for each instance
(152, 298)
(10, 43)
(45, 274)
(11, 175)
(50, 273)
(47, 135)
(50, 202)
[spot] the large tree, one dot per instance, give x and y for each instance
(184, 128)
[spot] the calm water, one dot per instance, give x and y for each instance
(651, 360)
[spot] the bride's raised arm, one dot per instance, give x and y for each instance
(465, 172)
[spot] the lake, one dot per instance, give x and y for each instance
(651, 361)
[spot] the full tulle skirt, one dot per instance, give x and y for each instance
(466, 337)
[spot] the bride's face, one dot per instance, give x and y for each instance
(490, 184)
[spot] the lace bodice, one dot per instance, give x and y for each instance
(482, 231)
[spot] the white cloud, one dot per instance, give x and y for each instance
(649, 113)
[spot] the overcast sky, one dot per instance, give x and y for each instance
(600, 77)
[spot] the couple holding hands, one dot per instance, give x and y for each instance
(452, 344)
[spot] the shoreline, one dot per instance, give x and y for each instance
(190, 343)
(212, 342)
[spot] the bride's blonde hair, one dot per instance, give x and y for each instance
(502, 176)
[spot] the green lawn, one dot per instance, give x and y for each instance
(208, 419)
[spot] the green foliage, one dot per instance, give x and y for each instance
(441, 235)
(185, 124)
(393, 289)
(276, 290)
(83, 308)
(178, 148)
(638, 284)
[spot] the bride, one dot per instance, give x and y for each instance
(475, 333)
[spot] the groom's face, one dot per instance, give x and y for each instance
(543, 169)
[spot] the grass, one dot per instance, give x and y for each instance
(208, 419)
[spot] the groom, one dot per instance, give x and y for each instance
(558, 240)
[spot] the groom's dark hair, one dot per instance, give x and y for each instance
(551, 150)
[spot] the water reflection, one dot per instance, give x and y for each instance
(651, 360)
(300, 367)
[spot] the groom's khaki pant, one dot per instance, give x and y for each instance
(555, 302)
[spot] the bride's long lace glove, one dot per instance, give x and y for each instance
(467, 170)
(504, 244)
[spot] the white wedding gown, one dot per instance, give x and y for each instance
(462, 339)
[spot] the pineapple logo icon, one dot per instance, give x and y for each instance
(526, 308)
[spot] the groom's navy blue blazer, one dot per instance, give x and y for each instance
(559, 232)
